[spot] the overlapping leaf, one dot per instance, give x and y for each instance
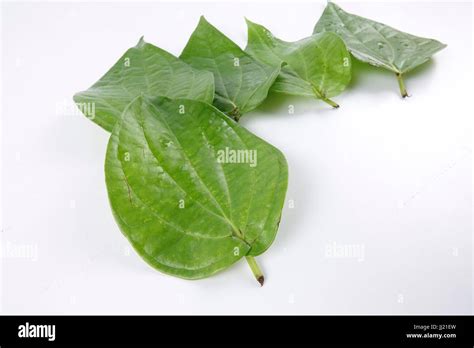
(188, 206)
(143, 69)
(376, 43)
(192, 190)
(317, 66)
(241, 81)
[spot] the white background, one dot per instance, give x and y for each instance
(391, 177)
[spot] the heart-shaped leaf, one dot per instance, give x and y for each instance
(242, 82)
(143, 69)
(317, 66)
(191, 189)
(378, 44)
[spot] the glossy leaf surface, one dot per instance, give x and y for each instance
(317, 66)
(242, 82)
(143, 69)
(187, 202)
(376, 43)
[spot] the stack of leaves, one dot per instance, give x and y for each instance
(191, 189)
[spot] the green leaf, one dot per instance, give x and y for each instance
(185, 204)
(143, 69)
(317, 66)
(242, 82)
(378, 44)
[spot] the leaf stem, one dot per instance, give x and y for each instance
(401, 84)
(330, 102)
(325, 99)
(255, 269)
(235, 114)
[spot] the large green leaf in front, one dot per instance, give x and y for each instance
(242, 82)
(317, 66)
(192, 190)
(378, 44)
(143, 69)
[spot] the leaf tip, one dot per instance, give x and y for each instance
(141, 42)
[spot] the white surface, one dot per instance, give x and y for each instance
(390, 177)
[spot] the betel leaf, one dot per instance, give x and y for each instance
(241, 81)
(378, 44)
(143, 69)
(192, 190)
(317, 66)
